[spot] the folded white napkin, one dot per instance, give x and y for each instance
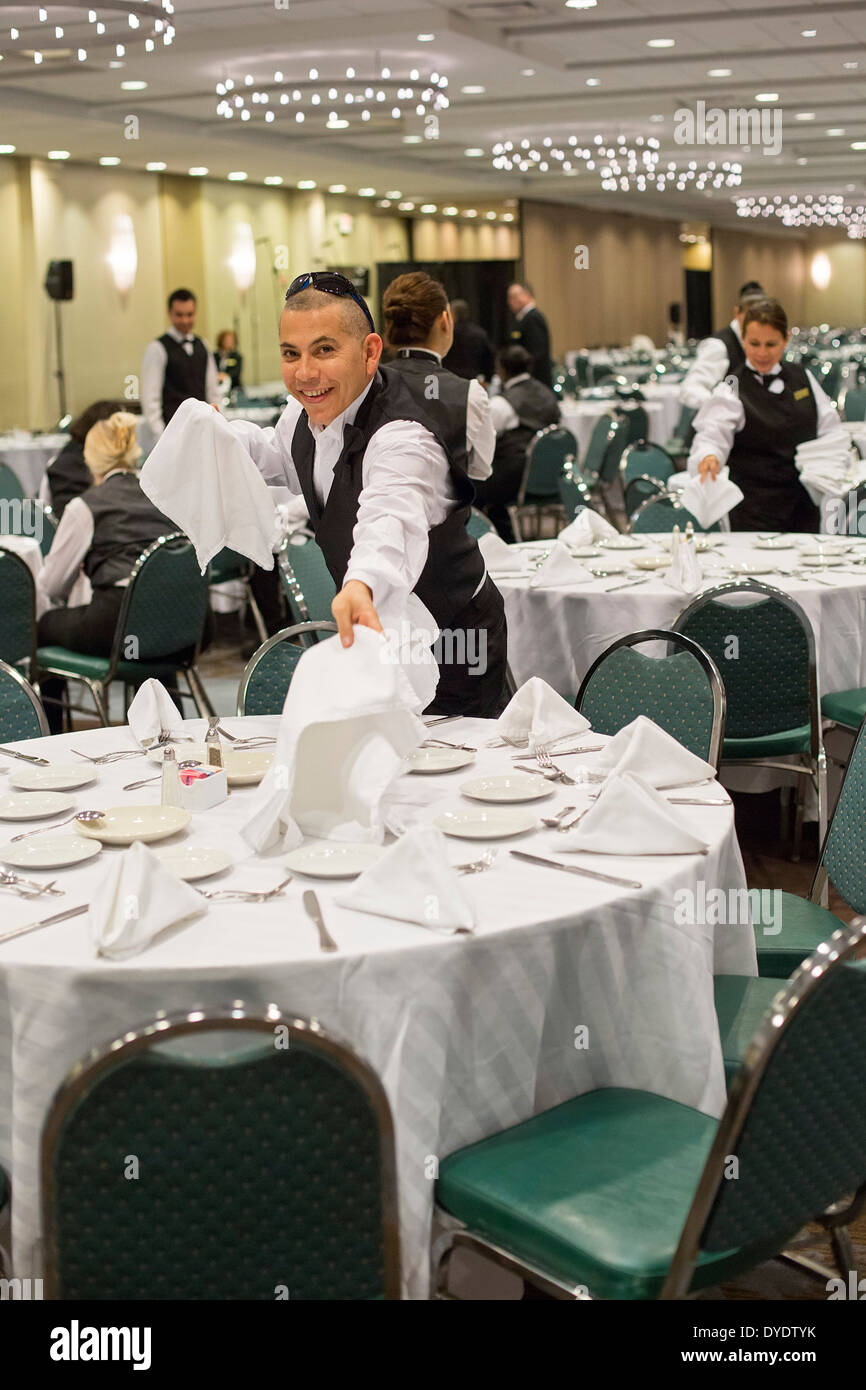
(200, 475)
(684, 574)
(559, 568)
(631, 817)
(587, 526)
(825, 464)
(651, 752)
(709, 501)
(500, 557)
(135, 900)
(347, 724)
(151, 711)
(536, 716)
(414, 882)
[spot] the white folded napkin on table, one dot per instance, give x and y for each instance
(135, 900)
(499, 557)
(644, 748)
(414, 882)
(153, 711)
(712, 499)
(559, 568)
(631, 817)
(346, 726)
(202, 477)
(536, 717)
(684, 574)
(587, 526)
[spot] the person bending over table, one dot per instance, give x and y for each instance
(387, 503)
(754, 422)
(525, 407)
(67, 475)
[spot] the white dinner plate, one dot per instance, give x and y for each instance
(495, 824)
(606, 567)
(703, 543)
(581, 552)
(244, 767)
(48, 852)
(621, 543)
(191, 862)
(62, 777)
(746, 567)
(34, 806)
(651, 562)
(333, 861)
(780, 543)
(438, 759)
(123, 825)
(831, 557)
(515, 786)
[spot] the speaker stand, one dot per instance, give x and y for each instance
(59, 373)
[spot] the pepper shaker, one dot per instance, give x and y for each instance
(213, 744)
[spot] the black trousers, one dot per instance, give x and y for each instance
(472, 654)
(493, 495)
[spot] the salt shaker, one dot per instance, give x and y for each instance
(213, 745)
(171, 795)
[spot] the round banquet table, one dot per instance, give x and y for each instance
(581, 416)
(29, 458)
(469, 1033)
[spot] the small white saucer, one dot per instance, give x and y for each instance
(34, 806)
(621, 543)
(582, 552)
(651, 562)
(748, 567)
(48, 852)
(438, 760)
(191, 862)
(515, 786)
(62, 777)
(782, 543)
(606, 567)
(333, 861)
(495, 824)
(830, 557)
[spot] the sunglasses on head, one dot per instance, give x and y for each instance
(331, 282)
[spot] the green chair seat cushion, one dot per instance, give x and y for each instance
(65, 662)
(845, 707)
(804, 926)
(594, 1191)
(741, 1002)
(797, 740)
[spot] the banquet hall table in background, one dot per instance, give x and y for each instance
(28, 457)
(469, 1034)
(580, 417)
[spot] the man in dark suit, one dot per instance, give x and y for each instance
(471, 354)
(531, 331)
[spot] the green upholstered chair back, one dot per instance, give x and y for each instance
(801, 1145)
(167, 602)
(17, 609)
(21, 713)
(268, 673)
(617, 440)
(646, 460)
(307, 582)
(265, 1168)
(637, 422)
(766, 652)
(10, 488)
(229, 564)
(573, 492)
(681, 692)
(854, 403)
(602, 434)
(663, 514)
(844, 854)
(639, 490)
(549, 453)
(478, 525)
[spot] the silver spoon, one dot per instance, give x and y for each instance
(84, 817)
(554, 820)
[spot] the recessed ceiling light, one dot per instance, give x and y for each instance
(133, 86)
(156, 166)
(407, 206)
(850, 65)
(808, 33)
(836, 130)
(425, 38)
(527, 72)
(58, 154)
(114, 62)
(473, 91)
(580, 4)
(366, 192)
(428, 207)
(859, 145)
(473, 153)
(660, 43)
(336, 188)
(109, 159)
(805, 116)
(719, 72)
(802, 161)
(307, 183)
(656, 119)
(334, 123)
(7, 149)
(766, 96)
(384, 203)
(508, 217)
(198, 172)
(274, 179)
(593, 82)
(491, 216)
(395, 194)
(470, 212)
(236, 176)
(450, 212)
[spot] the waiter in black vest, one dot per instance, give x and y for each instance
(177, 366)
(387, 500)
(720, 354)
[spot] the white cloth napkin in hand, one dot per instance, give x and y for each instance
(684, 574)
(587, 526)
(559, 568)
(135, 900)
(414, 882)
(200, 475)
(346, 726)
(499, 557)
(152, 711)
(644, 748)
(631, 817)
(712, 499)
(536, 717)
(825, 464)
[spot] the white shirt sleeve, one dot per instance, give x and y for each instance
(704, 375)
(406, 491)
(716, 423)
(503, 415)
(828, 416)
(270, 447)
(480, 434)
(152, 381)
(71, 543)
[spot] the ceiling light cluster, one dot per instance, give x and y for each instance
(821, 210)
(56, 31)
(621, 164)
(336, 104)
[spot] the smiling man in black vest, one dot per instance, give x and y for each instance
(388, 504)
(177, 366)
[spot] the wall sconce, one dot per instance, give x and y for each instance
(821, 270)
(123, 253)
(242, 261)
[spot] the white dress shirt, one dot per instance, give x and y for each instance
(711, 366)
(153, 378)
(719, 419)
(72, 540)
(406, 489)
(480, 434)
(502, 412)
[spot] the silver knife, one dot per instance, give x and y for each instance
(311, 907)
(573, 869)
(46, 922)
(558, 753)
(25, 757)
(629, 584)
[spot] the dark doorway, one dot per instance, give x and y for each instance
(699, 303)
(483, 284)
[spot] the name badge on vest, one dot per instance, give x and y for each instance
(799, 395)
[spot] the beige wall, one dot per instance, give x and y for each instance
(16, 338)
(843, 302)
(777, 262)
(634, 273)
(464, 241)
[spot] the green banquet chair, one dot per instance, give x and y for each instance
(306, 580)
(624, 1194)
(21, 712)
(681, 691)
(680, 443)
(268, 673)
(644, 470)
(663, 514)
(478, 524)
(574, 492)
(853, 403)
(17, 611)
(10, 488)
(265, 1148)
(637, 422)
(549, 453)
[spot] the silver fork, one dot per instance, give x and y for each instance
(477, 866)
(245, 895)
(544, 760)
(110, 757)
(27, 887)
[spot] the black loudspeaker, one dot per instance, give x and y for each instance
(675, 314)
(58, 280)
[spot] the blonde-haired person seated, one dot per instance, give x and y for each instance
(101, 534)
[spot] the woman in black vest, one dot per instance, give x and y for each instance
(755, 421)
(68, 475)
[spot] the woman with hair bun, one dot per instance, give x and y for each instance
(755, 420)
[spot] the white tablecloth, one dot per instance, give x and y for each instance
(468, 1034)
(27, 548)
(580, 417)
(29, 458)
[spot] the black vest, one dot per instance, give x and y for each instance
(536, 407)
(439, 392)
(68, 476)
(733, 347)
(185, 374)
(761, 461)
(125, 522)
(454, 566)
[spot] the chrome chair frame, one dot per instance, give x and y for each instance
(39, 710)
(817, 771)
(284, 635)
(81, 1079)
(686, 644)
(291, 580)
